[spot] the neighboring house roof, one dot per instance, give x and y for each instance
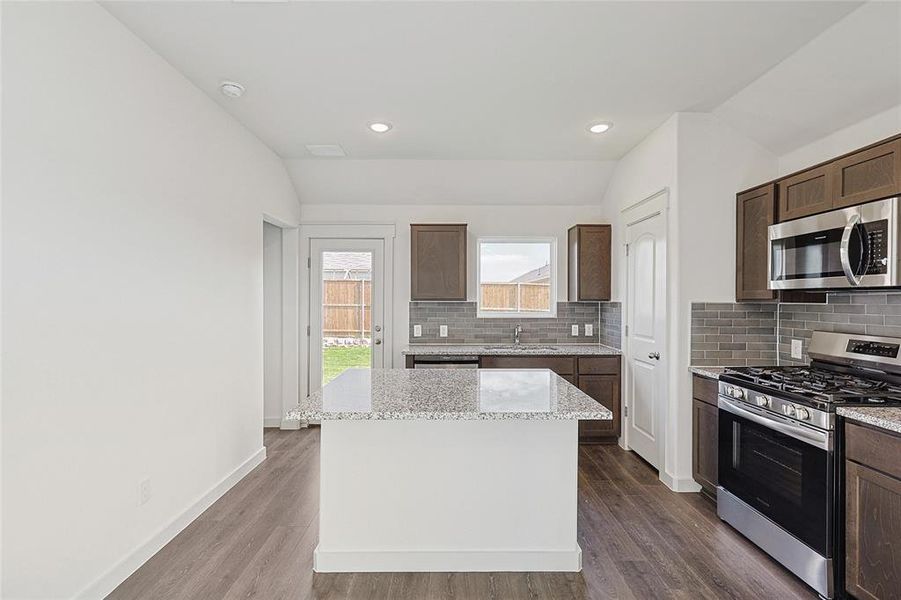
(539, 275)
(346, 265)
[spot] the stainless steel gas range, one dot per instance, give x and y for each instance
(779, 479)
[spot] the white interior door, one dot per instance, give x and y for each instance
(347, 307)
(646, 322)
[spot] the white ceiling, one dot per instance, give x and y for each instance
(473, 80)
(850, 72)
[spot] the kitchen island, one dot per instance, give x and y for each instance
(448, 470)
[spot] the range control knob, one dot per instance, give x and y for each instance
(788, 410)
(802, 413)
(762, 401)
(737, 393)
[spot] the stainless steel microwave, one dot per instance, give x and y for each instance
(846, 248)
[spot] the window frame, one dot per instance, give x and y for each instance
(494, 314)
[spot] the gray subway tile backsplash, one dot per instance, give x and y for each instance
(714, 343)
(730, 335)
(465, 328)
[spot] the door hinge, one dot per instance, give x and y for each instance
(309, 262)
(626, 409)
(627, 331)
(308, 331)
(627, 249)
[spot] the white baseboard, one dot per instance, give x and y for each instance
(107, 582)
(272, 422)
(456, 561)
(290, 424)
(679, 484)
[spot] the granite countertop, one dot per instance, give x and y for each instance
(884, 417)
(449, 394)
(710, 372)
(511, 349)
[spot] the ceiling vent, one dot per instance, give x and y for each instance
(331, 150)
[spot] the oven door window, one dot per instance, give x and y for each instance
(783, 478)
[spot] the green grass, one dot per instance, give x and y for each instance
(335, 359)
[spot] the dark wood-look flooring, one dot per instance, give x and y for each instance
(639, 540)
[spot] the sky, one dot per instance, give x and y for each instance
(508, 260)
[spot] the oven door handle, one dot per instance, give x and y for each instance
(853, 278)
(819, 439)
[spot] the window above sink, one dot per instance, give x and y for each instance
(517, 277)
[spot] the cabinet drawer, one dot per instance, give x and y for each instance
(562, 365)
(876, 449)
(705, 389)
(599, 365)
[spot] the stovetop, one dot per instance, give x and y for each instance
(818, 386)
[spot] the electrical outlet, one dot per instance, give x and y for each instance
(144, 492)
(575, 330)
(442, 331)
(589, 329)
(417, 331)
(797, 349)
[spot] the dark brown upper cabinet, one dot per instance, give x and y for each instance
(806, 193)
(868, 175)
(755, 211)
(438, 262)
(588, 264)
(871, 173)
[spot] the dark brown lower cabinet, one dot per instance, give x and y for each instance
(872, 513)
(606, 390)
(705, 434)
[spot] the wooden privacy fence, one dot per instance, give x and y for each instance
(516, 296)
(346, 308)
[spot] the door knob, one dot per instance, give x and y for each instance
(377, 342)
(654, 355)
(378, 328)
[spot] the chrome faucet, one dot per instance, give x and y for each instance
(516, 332)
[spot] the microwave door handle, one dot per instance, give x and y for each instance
(853, 278)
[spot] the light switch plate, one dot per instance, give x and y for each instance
(417, 331)
(797, 349)
(589, 329)
(575, 330)
(442, 331)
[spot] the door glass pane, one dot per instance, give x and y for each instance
(346, 312)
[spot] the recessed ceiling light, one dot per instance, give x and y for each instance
(600, 127)
(379, 127)
(232, 89)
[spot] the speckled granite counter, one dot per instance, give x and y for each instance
(709, 372)
(512, 349)
(884, 417)
(449, 394)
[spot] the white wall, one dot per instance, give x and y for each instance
(272, 325)
(132, 296)
(482, 221)
(450, 182)
(863, 133)
(703, 163)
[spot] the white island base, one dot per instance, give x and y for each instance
(448, 495)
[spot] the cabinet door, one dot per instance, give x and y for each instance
(704, 445)
(806, 193)
(873, 533)
(869, 175)
(438, 262)
(588, 268)
(604, 389)
(755, 211)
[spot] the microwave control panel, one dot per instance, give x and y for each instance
(877, 247)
